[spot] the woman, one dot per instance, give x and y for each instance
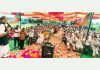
(22, 38)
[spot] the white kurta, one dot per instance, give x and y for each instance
(94, 47)
(79, 44)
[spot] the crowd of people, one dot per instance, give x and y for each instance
(34, 34)
(76, 39)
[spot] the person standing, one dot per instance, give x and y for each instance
(22, 38)
(16, 37)
(31, 34)
(4, 40)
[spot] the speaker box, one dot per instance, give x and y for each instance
(47, 50)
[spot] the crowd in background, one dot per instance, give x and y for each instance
(34, 34)
(78, 39)
(74, 38)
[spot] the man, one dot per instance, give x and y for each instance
(4, 42)
(22, 38)
(31, 34)
(16, 36)
(95, 45)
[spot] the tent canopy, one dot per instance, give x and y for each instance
(58, 16)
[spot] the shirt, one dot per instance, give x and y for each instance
(31, 33)
(22, 35)
(16, 34)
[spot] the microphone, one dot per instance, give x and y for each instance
(9, 25)
(8, 28)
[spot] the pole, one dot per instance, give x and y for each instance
(90, 22)
(19, 17)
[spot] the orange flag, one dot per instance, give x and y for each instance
(83, 22)
(86, 20)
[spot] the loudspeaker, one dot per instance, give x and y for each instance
(47, 50)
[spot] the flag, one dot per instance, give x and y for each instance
(85, 20)
(18, 15)
(90, 16)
